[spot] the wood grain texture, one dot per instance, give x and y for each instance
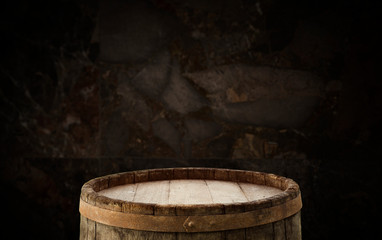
(200, 236)
(152, 192)
(238, 234)
(263, 232)
(105, 232)
(121, 192)
(293, 227)
(281, 230)
(202, 203)
(206, 218)
(190, 191)
(225, 192)
(255, 192)
(87, 229)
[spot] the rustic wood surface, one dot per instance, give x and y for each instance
(286, 229)
(196, 198)
(189, 191)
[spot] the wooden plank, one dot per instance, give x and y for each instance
(196, 192)
(279, 230)
(83, 228)
(255, 192)
(293, 227)
(144, 235)
(87, 229)
(161, 174)
(201, 173)
(201, 236)
(245, 176)
(190, 218)
(103, 183)
(116, 180)
(122, 192)
(189, 192)
(92, 227)
(141, 176)
(105, 232)
(263, 232)
(258, 178)
(221, 191)
(101, 231)
(273, 180)
(225, 192)
(238, 234)
(221, 174)
(152, 192)
(180, 173)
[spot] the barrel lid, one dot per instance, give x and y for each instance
(189, 199)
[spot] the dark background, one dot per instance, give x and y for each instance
(90, 88)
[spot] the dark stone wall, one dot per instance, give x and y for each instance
(90, 88)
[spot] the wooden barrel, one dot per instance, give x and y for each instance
(190, 203)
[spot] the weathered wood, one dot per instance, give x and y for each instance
(255, 192)
(152, 192)
(238, 234)
(102, 231)
(122, 192)
(200, 236)
(293, 227)
(190, 191)
(83, 227)
(91, 230)
(263, 232)
(190, 203)
(87, 229)
(225, 192)
(279, 230)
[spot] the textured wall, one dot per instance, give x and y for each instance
(95, 87)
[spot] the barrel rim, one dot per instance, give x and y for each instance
(89, 191)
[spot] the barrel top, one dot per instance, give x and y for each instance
(189, 199)
(189, 192)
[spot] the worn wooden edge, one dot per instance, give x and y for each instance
(191, 222)
(89, 191)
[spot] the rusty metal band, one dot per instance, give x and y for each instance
(206, 223)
